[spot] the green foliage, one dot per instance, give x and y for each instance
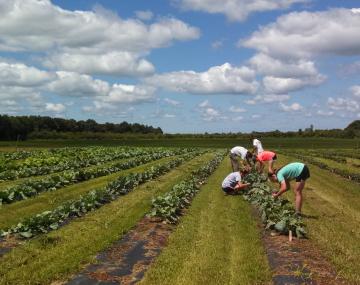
(276, 213)
(168, 207)
(32, 188)
(51, 220)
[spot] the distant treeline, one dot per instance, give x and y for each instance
(21, 127)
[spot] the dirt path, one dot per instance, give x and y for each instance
(127, 260)
(298, 262)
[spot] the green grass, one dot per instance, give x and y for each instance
(63, 252)
(13, 213)
(216, 242)
(334, 204)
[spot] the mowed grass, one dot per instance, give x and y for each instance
(13, 213)
(332, 202)
(61, 253)
(216, 242)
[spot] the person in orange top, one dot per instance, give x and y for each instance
(265, 156)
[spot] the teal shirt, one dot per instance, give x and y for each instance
(290, 171)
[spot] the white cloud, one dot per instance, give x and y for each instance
(343, 104)
(305, 34)
(97, 37)
(224, 79)
(217, 44)
(172, 102)
(280, 85)
(78, 85)
(113, 63)
(236, 109)
(238, 118)
(256, 116)
(144, 15)
(295, 107)
(169, 116)
(325, 113)
(236, 10)
(56, 108)
(271, 98)
(19, 74)
(204, 104)
(355, 90)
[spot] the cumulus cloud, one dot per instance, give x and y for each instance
(270, 98)
(112, 63)
(236, 10)
(306, 34)
(234, 109)
(56, 108)
(70, 36)
(18, 74)
(77, 85)
(343, 104)
(217, 44)
(223, 79)
(209, 113)
(172, 102)
(295, 107)
(144, 15)
(325, 113)
(355, 90)
(281, 85)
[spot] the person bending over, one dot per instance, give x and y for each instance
(232, 183)
(264, 156)
(296, 170)
(258, 148)
(243, 153)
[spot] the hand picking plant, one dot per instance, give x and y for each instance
(276, 214)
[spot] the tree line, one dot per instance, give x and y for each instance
(20, 127)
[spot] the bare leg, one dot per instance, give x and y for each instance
(298, 195)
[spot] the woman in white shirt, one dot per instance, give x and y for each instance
(258, 148)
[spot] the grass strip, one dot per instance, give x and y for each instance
(52, 220)
(332, 206)
(61, 253)
(216, 242)
(14, 213)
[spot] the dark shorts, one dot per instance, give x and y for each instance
(305, 174)
(228, 190)
(274, 157)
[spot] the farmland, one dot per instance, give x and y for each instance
(63, 207)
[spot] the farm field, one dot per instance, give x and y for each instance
(62, 207)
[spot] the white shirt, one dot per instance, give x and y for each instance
(258, 145)
(231, 180)
(239, 151)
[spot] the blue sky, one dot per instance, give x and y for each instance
(185, 65)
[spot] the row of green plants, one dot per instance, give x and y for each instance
(32, 188)
(70, 162)
(276, 213)
(52, 220)
(169, 206)
(342, 172)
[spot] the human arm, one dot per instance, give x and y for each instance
(271, 166)
(241, 186)
(284, 186)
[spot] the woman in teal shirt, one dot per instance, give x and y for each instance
(296, 170)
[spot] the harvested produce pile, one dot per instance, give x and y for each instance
(168, 207)
(276, 213)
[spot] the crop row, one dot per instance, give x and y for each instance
(60, 163)
(51, 220)
(276, 213)
(32, 188)
(344, 173)
(168, 207)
